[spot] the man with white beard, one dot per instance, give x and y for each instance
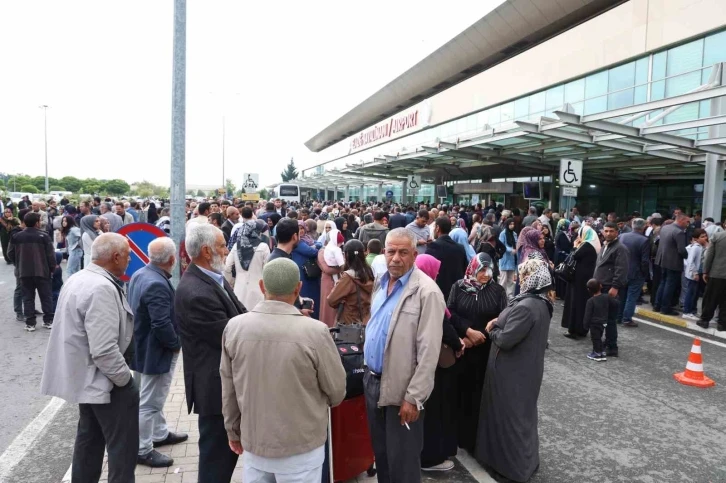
(203, 305)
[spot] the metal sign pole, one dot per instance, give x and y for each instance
(178, 130)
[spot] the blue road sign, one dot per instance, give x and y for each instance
(389, 194)
(139, 235)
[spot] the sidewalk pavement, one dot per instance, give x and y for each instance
(186, 455)
(678, 321)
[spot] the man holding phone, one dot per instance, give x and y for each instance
(420, 228)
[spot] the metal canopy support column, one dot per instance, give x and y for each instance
(335, 193)
(379, 198)
(404, 185)
(362, 196)
(347, 193)
(713, 177)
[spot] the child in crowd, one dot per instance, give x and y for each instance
(601, 309)
(692, 271)
(57, 279)
(374, 249)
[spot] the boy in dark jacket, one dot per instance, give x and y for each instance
(601, 309)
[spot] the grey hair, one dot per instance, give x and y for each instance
(200, 235)
(638, 224)
(105, 245)
(400, 233)
(108, 205)
(161, 250)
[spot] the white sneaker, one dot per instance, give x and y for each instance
(691, 316)
(445, 466)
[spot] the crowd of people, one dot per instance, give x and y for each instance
(456, 303)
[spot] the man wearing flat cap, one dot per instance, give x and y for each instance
(280, 373)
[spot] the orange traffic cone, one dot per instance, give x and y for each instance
(693, 375)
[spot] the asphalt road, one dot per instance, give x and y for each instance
(624, 420)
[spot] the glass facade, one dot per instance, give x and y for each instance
(659, 75)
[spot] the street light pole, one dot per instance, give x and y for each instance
(224, 180)
(178, 128)
(45, 131)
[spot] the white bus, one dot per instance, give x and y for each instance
(288, 192)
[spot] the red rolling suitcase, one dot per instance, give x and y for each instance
(352, 449)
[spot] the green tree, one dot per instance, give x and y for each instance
(29, 188)
(116, 187)
(190, 193)
(229, 186)
(71, 183)
(263, 194)
(200, 193)
(91, 187)
(57, 188)
(290, 172)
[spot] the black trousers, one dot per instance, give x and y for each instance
(18, 297)
(113, 426)
(611, 330)
(715, 296)
(396, 448)
(216, 460)
(42, 285)
(596, 331)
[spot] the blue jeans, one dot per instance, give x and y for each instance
(668, 285)
(74, 261)
(627, 306)
(152, 396)
(690, 301)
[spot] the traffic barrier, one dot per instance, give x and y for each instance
(693, 375)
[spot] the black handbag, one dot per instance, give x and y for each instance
(311, 268)
(566, 269)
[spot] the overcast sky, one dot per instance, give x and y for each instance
(278, 71)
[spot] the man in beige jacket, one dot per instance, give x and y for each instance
(280, 373)
(403, 340)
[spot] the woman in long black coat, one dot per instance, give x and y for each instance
(563, 247)
(473, 302)
(587, 247)
(507, 438)
(440, 423)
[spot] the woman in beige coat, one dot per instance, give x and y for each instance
(245, 261)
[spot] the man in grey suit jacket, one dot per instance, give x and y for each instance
(87, 362)
(670, 256)
(714, 274)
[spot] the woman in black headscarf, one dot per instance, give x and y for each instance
(342, 224)
(152, 216)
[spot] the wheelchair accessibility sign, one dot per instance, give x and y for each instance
(571, 172)
(414, 182)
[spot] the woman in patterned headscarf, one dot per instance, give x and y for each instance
(473, 301)
(587, 247)
(507, 440)
(246, 259)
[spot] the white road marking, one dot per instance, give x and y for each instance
(67, 476)
(24, 441)
(671, 329)
(473, 467)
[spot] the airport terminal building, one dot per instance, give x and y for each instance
(633, 91)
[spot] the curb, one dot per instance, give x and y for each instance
(685, 325)
(666, 319)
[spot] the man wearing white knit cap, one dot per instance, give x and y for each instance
(280, 373)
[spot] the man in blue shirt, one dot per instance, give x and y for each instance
(403, 340)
